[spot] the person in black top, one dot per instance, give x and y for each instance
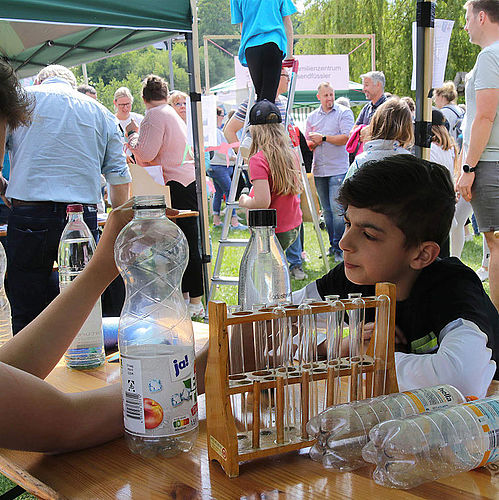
(398, 211)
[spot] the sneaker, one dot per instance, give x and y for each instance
(196, 310)
(305, 257)
(468, 237)
(239, 227)
(338, 257)
(483, 273)
(297, 273)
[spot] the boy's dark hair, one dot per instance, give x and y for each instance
(15, 106)
(416, 194)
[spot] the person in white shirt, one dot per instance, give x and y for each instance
(123, 102)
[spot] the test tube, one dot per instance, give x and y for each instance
(334, 339)
(356, 344)
(381, 329)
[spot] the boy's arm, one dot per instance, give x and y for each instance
(462, 360)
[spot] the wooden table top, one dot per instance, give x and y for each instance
(112, 471)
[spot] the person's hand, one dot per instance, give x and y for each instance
(315, 137)
(3, 187)
(243, 199)
(118, 218)
(464, 184)
(131, 128)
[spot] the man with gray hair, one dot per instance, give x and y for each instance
(57, 160)
(373, 86)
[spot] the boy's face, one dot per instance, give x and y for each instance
(373, 249)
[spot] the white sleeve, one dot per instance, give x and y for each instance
(308, 292)
(462, 360)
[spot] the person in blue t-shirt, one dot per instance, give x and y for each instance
(266, 39)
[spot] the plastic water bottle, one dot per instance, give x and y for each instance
(441, 443)
(263, 273)
(343, 430)
(155, 337)
(76, 248)
(5, 315)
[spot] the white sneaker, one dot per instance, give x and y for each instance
(483, 273)
(196, 310)
(468, 237)
(297, 273)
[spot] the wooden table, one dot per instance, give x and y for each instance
(112, 471)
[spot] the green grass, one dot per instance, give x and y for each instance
(471, 256)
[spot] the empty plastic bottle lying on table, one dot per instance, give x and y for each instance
(342, 430)
(427, 447)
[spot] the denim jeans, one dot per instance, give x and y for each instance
(327, 189)
(33, 236)
(222, 177)
(293, 254)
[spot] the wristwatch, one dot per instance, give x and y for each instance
(323, 138)
(467, 169)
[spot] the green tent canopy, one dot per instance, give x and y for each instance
(35, 33)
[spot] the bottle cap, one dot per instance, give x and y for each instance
(262, 217)
(74, 208)
(150, 202)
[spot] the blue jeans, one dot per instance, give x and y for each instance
(327, 189)
(33, 236)
(293, 253)
(222, 177)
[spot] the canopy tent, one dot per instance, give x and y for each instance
(227, 93)
(36, 33)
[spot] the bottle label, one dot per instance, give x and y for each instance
(433, 398)
(90, 334)
(159, 393)
(486, 411)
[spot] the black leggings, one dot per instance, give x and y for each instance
(184, 198)
(264, 64)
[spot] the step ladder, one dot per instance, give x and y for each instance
(218, 280)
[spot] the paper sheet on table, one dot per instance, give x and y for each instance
(156, 172)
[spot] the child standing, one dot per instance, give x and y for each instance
(274, 173)
(266, 38)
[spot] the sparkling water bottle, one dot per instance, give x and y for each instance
(263, 273)
(441, 443)
(155, 335)
(76, 248)
(5, 316)
(342, 430)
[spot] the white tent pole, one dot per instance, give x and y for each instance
(197, 137)
(85, 75)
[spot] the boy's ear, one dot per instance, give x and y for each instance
(425, 255)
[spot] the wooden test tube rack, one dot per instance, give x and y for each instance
(223, 438)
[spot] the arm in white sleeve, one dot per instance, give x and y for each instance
(462, 360)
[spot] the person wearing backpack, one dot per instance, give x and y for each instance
(445, 100)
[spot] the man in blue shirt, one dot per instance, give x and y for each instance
(56, 160)
(373, 86)
(327, 132)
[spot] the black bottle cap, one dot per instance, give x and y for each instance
(262, 217)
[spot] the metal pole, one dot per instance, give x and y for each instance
(85, 75)
(425, 21)
(197, 138)
(168, 44)
(373, 52)
(206, 66)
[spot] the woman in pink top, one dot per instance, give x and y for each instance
(163, 141)
(273, 172)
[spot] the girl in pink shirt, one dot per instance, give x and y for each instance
(273, 168)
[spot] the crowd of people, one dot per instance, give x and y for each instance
(389, 215)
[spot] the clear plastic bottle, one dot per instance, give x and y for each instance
(155, 338)
(441, 443)
(76, 248)
(263, 273)
(5, 315)
(342, 430)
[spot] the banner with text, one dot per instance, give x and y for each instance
(312, 71)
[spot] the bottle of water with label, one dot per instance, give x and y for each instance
(263, 273)
(342, 430)
(441, 443)
(76, 248)
(155, 336)
(5, 315)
